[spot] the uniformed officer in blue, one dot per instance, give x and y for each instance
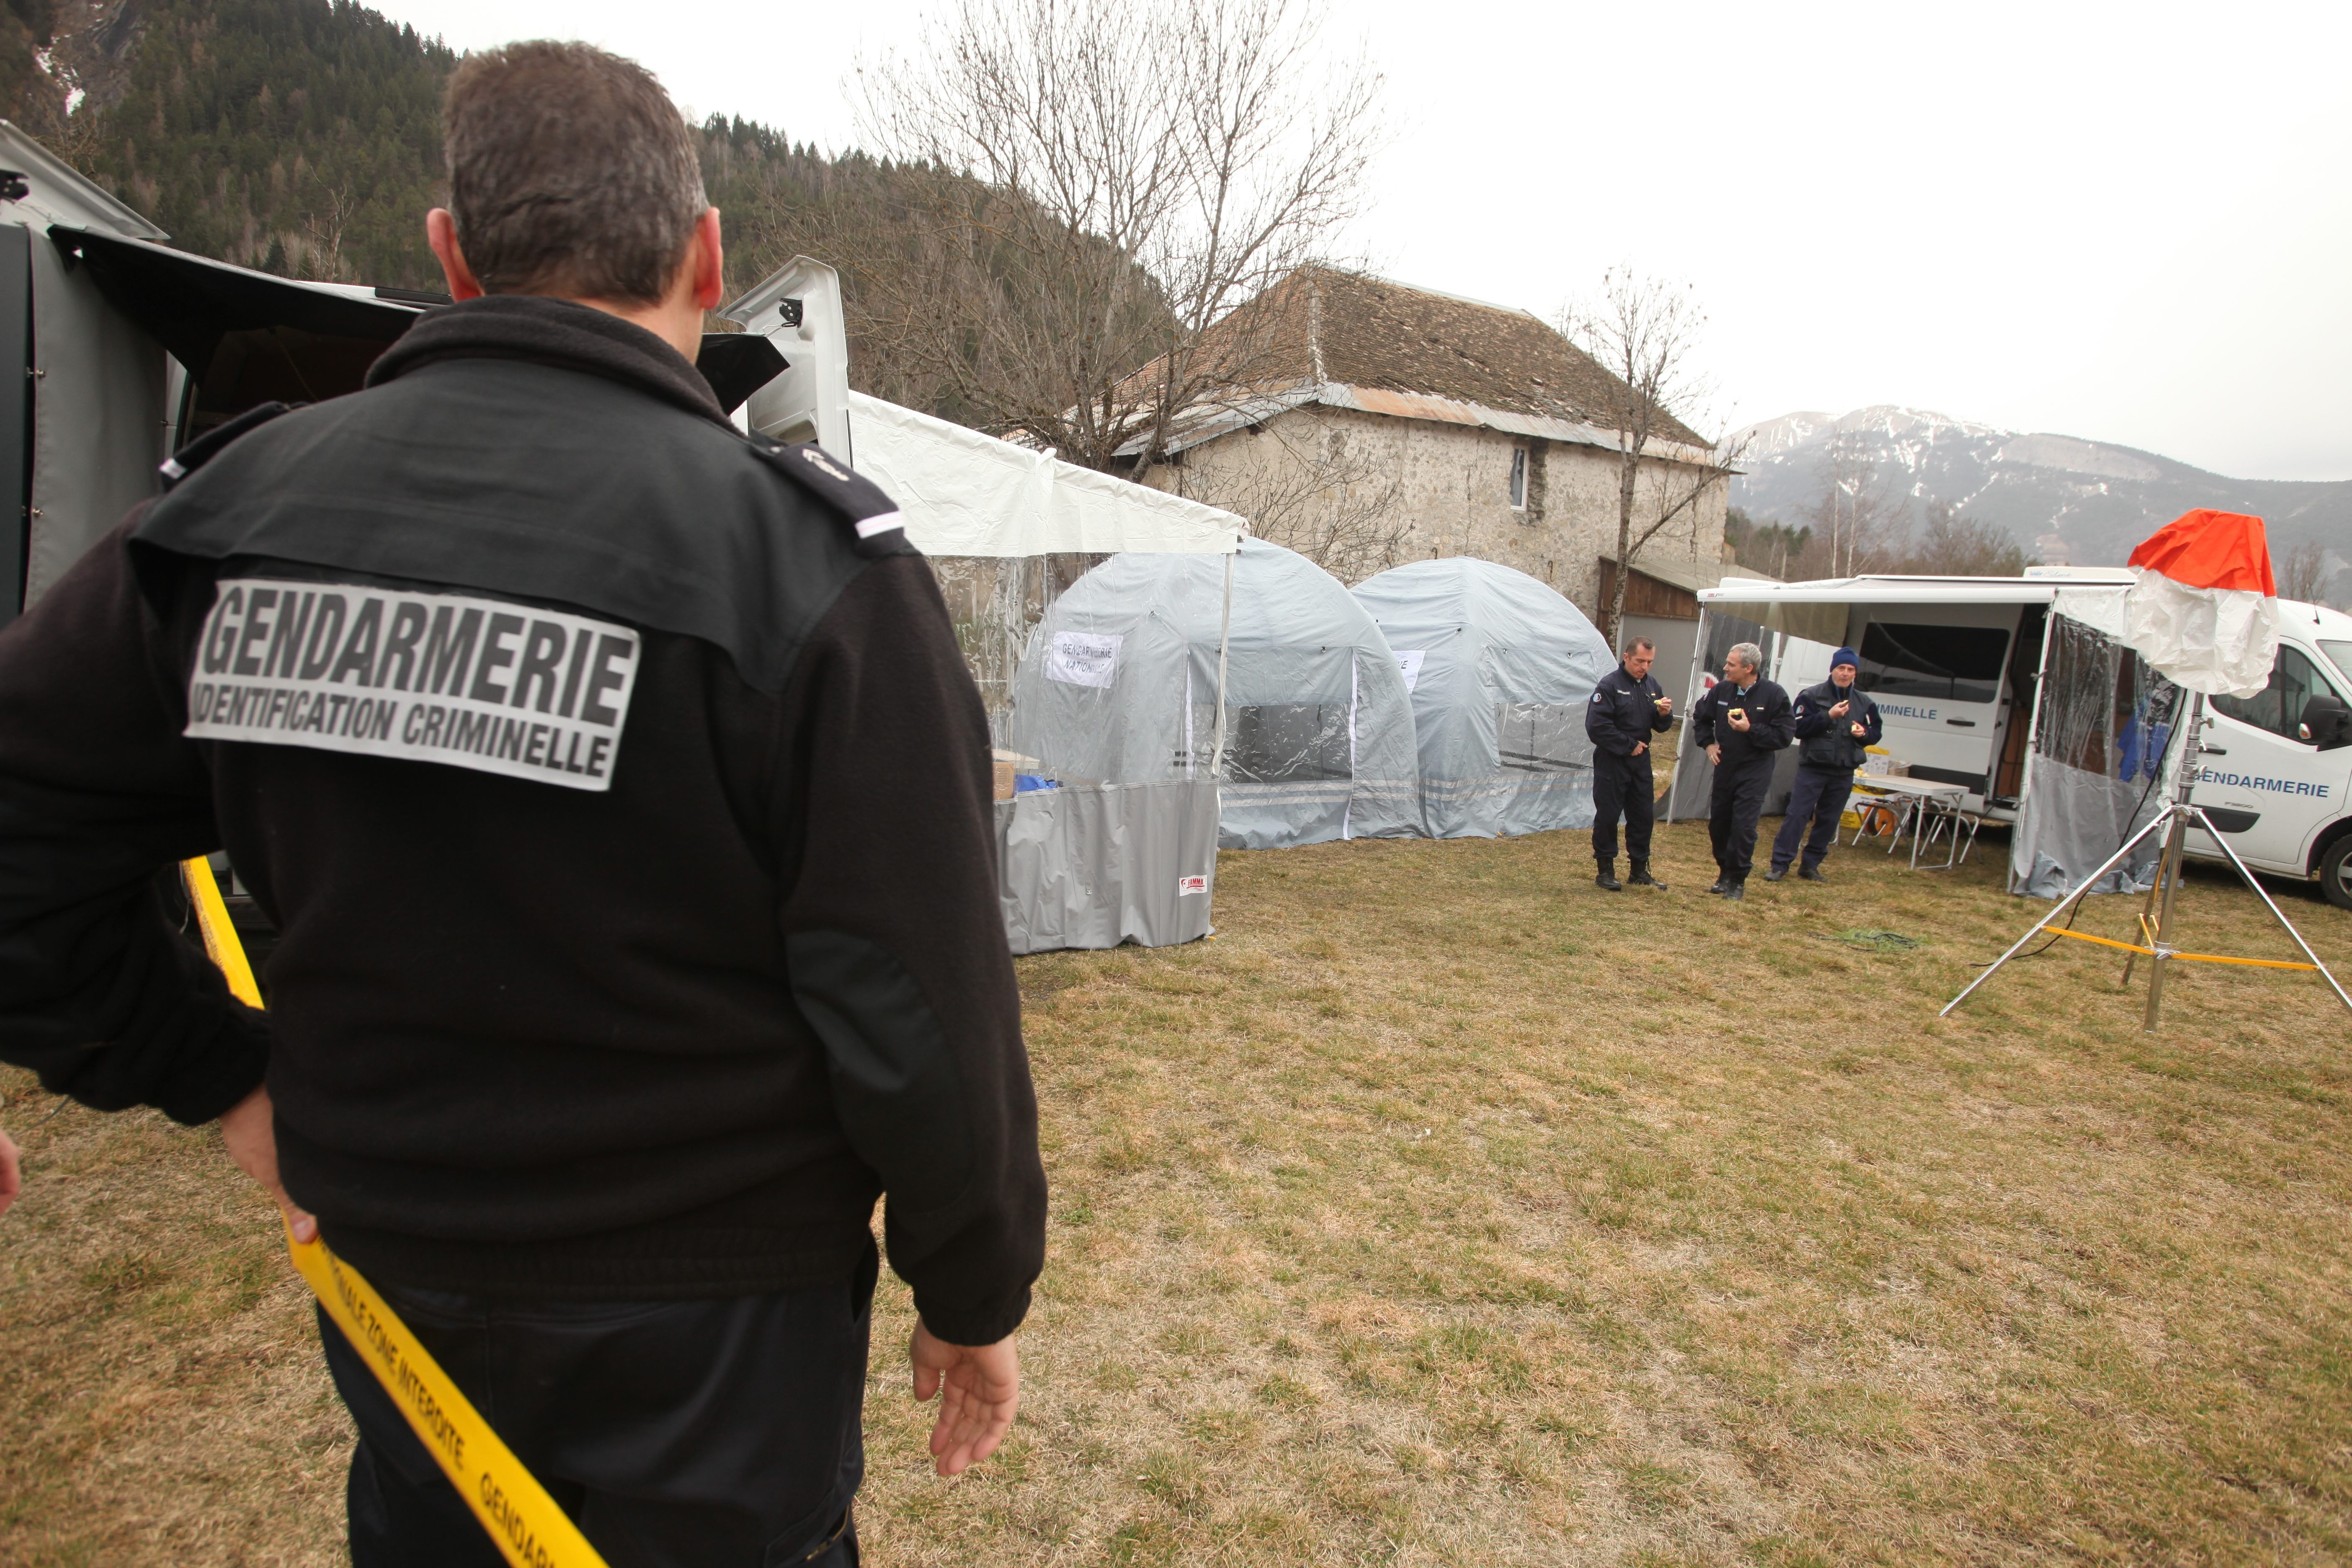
(1744, 720)
(624, 806)
(1837, 723)
(1627, 708)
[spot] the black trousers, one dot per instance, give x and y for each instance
(1818, 799)
(1622, 786)
(1738, 804)
(703, 1433)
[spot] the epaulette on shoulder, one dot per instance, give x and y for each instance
(878, 528)
(212, 443)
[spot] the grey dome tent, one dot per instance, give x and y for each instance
(1119, 686)
(1500, 667)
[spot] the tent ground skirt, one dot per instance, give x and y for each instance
(1097, 866)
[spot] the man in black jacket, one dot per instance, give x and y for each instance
(1627, 708)
(1742, 720)
(1835, 724)
(624, 806)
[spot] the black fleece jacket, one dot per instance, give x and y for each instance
(1770, 729)
(631, 971)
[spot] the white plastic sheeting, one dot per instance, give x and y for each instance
(1501, 668)
(2220, 641)
(964, 493)
(1119, 686)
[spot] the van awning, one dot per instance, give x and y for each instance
(1817, 610)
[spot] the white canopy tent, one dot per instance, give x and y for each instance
(1082, 865)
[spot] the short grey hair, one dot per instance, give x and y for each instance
(1749, 654)
(1637, 644)
(571, 173)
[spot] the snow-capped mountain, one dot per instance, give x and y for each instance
(2063, 499)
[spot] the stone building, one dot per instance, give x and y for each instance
(1368, 422)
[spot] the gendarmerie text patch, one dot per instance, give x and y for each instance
(433, 678)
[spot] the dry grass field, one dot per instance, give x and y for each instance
(1443, 1209)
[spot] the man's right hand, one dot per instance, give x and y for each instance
(1639, 747)
(1715, 754)
(1839, 711)
(978, 1388)
(12, 1181)
(250, 1128)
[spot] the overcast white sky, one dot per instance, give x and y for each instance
(2129, 223)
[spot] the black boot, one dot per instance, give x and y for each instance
(1775, 873)
(1608, 877)
(1639, 877)
(1719, 883)
(1734, 891)
(1811, 873)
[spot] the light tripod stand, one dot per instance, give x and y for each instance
(2155, 916)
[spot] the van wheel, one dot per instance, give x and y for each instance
(2335, 873)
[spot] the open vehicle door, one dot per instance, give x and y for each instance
(797, 309)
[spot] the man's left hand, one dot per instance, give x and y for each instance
(12, 1178)
(251, 1133)
(1739, 719)
(1857, 729)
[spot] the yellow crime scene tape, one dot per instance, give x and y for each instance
(513, 1507)
(2190, 957)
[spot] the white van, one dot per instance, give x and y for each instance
(1955, 664)
(2277, 768)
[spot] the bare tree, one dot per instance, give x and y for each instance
(1320, 495)
(1089, 188)
(1949, 543)
(1857, 515)
(1645, 332)
(332, 210)
(2304, 574)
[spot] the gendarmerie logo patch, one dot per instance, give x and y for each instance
(435, 677)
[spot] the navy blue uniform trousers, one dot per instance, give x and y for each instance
(1622, 786)
(1818, 798)
(1736, 805)
(704, 1433)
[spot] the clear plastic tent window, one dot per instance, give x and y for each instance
(1503, 668)
(1318, 728)
(2102, 729)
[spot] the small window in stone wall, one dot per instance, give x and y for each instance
(1518, 479)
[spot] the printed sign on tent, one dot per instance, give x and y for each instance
(1083, 658)
(1409, 663)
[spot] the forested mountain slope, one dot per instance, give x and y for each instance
(304, 136)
